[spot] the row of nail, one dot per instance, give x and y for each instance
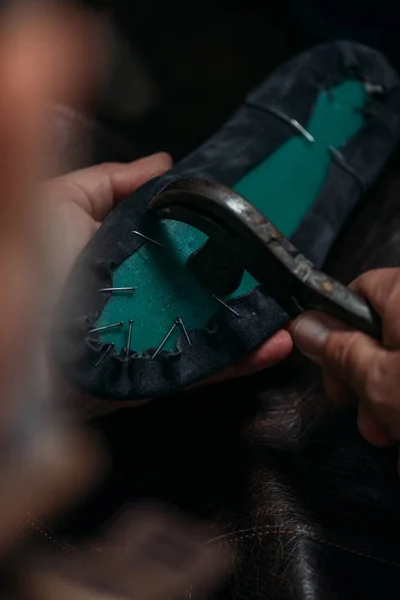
(306, 134)
(177, 323)
(296, 125)
(130, 289)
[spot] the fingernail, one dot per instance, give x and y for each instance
(162, 157)
(158, 160)
(310, 335)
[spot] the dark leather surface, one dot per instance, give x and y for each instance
(309, 508)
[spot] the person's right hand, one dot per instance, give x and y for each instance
(356, 367)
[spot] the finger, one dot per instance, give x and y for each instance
(359, 361)
(371, 430)
(98, 188)
(276, 349)
(272, 352)
(382, 289)
(310, 331)
(373, 373)
(353, 357)
(336, 390)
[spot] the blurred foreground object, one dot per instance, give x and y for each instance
(132, 93)
(152, 554)
(48, 53)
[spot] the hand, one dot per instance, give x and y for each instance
(72, 209)
(357, 368)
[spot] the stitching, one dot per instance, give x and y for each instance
(44, 533)
(274, 530)
(65, 546)
(250, 533)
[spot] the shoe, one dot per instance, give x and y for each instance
(303, 148)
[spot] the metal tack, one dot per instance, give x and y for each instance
(128, 344)
(148, 239)
(114, 326)
(110, 347)
(165, 340)
(180, 322)
(224, 304)
(118, 289)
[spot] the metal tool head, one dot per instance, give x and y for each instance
(242, 238)
(237, 232)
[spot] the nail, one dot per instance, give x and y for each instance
(148, 239)
(302, 130)
(310, 335)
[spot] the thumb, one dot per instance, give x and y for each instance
(350, 355)
(96, 189)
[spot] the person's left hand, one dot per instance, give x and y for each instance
(72, 209)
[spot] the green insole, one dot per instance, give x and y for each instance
(283, 187)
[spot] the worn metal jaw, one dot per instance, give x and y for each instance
(241, 238)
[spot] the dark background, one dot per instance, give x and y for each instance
(187, 65)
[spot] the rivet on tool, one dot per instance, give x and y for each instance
(148, 239)
(224, 304)
(118, 289)
(114, 326)
(180, 322)
(165, 340)
(110, 347)
(128, 344)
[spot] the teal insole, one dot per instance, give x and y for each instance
(283, 187)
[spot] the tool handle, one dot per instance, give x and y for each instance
(327, 295)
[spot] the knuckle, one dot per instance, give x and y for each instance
(375, 377)
(365, 282)
(345, 354)
(382, 383)
(387, 388)
(104, 180)
(380, 286)
(392, 290)
(340, 348)
(105, 167)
